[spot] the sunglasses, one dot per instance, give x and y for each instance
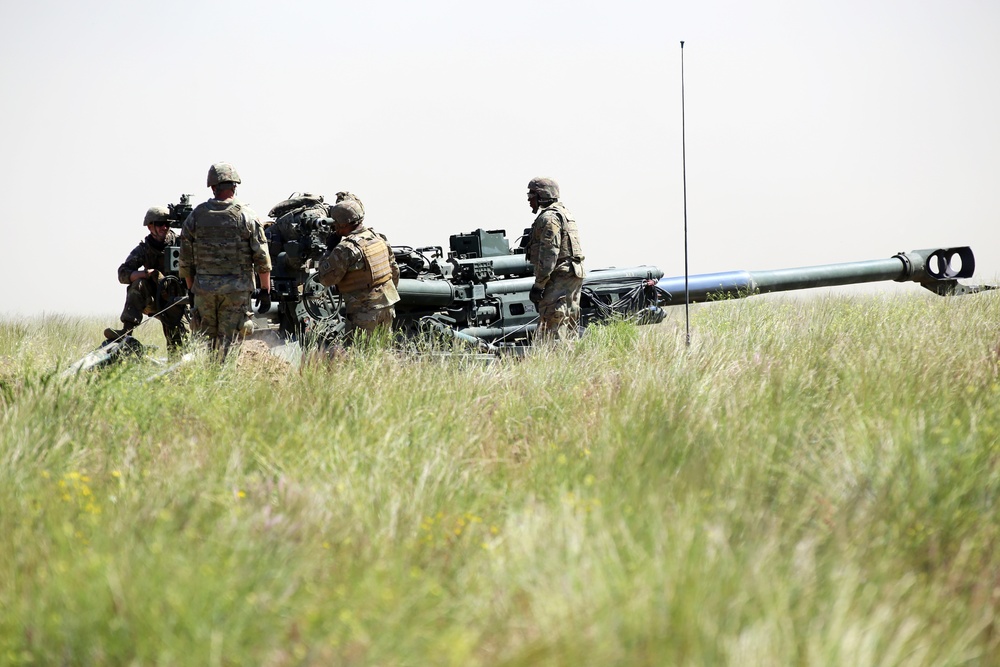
(161, 224)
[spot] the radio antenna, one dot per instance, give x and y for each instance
(687, 291)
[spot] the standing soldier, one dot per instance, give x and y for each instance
(222, 243)
(361, 266)
(555, 251)
(149, 291)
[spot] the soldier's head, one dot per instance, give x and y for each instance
(223, 179)
(542, 192)
(157, 221)
(344, 196)
(347, 215)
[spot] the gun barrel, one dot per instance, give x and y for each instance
(414, 292)
(425, 292)
(938, 269)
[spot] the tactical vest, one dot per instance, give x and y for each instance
(375, 270)
(222, 244)
(569, 243)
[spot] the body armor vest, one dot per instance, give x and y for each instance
(569, 242)
(223, 241)
(375, 270)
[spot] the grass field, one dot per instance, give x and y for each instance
(813, 482)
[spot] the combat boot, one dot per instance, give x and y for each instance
(117, 334)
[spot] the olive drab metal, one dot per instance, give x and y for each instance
(222, 172)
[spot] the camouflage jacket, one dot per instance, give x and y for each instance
(147, 255)
(347, 257)
(554, 244)
(226, 239)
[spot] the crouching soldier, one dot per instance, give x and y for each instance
(149, 291)
(361, 266)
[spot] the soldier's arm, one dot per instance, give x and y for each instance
(548, 247)
(185, 259)
(258, 246)
(334, 266)
(258, 249)
(131, 266)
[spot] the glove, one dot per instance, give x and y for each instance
(535, 295)
(332, 240)
(263, 299)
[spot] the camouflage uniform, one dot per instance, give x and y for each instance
(222, 243)
(555, 251)
(364, 270)
(152, 295)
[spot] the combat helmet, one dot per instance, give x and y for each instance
(348, 212)
(342, 196)
(156, 214)
(544, 188)
(222, 172)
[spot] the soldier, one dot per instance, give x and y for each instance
(222, 243)
(149, 291)
(555, 251)
(362, 267)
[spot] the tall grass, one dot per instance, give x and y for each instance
(811, 483)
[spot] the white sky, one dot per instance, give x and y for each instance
(817, 132)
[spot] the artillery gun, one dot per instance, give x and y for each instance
(172, 253)
(478, 290)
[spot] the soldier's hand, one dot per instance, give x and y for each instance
(262, 297)
(535, 295)
(153, 274)
(333, 240)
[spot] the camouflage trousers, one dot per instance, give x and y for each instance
(148, 296)
(368, 321)
(559, 309)
(223, 317)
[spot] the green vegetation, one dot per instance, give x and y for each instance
(814, 482)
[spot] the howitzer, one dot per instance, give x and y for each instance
(478, 291)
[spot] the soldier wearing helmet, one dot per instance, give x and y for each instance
(222, 245)
(553, 247)
(361, 266)
(149, 291)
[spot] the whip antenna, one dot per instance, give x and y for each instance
(687, 291)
